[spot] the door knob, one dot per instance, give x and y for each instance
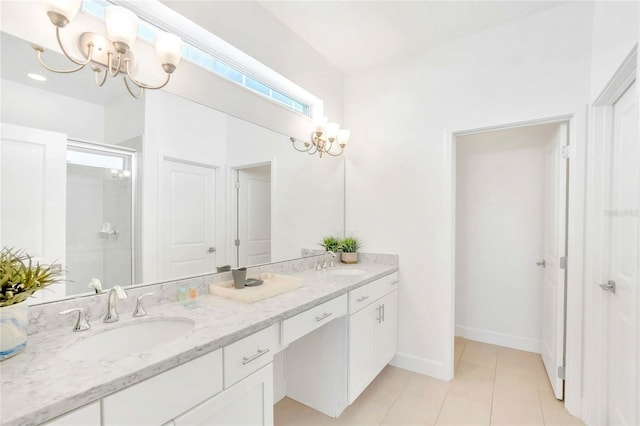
(211, 250)
(542, 263)
(609, 286)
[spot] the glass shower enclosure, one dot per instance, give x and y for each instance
(100, 216)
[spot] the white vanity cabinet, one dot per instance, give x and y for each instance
(372, 332)
(162, 398)
(248, 402)
(89, 415)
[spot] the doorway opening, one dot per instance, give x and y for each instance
(511, 241)
(252, 214)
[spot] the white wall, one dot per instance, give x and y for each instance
(399, 115)
(123, 119)
(181, 129)
(307, 193)
(615, 32)
(30, 107)
(499, 235)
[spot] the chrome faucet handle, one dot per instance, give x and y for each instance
(112, 312)
(140, 310)
(82, 323)
(333, 258)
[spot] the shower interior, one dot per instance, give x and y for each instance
(100, 216)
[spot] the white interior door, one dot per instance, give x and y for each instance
(187, 219)
(622, 269)
(254, 215)
(554, 276)
(33, 192)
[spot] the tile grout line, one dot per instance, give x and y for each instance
(454, 376)
(493, 389)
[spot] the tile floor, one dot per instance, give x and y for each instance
(492, 385)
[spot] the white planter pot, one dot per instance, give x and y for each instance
(14, 321)
(349, 257)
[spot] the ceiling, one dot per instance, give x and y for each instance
(355, 35)
(19, 59)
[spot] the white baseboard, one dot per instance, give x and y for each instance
(501, 339)
(425, 366)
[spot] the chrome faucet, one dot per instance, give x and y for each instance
(112, 312)
(330, 264)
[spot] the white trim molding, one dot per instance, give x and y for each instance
(420, 365)
(502, 339)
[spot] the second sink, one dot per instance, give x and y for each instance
(128, 339)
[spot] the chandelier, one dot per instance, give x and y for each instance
(111, 56)
(323, 138)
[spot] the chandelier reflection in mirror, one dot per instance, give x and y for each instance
(111, 56)
(326, 138)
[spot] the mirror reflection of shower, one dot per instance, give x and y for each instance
(100, 226)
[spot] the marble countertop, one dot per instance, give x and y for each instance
(38, 384)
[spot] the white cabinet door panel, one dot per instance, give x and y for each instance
(247, 403)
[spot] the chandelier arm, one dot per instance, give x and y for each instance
(336, 155)
(96, 73)
(47, 67)
(307, 145)
(126, 83)
(75, 61)
(110, 66)
(142, 85)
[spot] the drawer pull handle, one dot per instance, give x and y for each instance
(323, 316)
(260, 352)
(362, 299)
(394, 282)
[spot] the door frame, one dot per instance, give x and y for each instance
(601, 132)
(576, 198)
(233, 212)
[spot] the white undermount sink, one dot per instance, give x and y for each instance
(346, 272)
(128, 339)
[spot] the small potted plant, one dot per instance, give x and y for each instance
(349, 249)
(19, 279)
(332, 244)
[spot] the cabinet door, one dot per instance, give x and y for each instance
(362, 360)
(88, 415)
(248, 402)
(160, 398)
(385, 346)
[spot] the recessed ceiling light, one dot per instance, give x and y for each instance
(37, 77)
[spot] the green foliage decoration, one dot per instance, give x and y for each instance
(20, 277)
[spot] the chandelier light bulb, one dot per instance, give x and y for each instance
(343, 136)
(61, 12)
(169, 50)
(332, 131)
(122, 26)
(319, 124)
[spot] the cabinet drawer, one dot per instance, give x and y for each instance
(89, 415)
(307, 321)
(161, 398)
(249, 354)
(362, 296)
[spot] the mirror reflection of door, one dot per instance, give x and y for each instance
(253, 209)
(32, 182)
(188, 214)
(99, 237)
